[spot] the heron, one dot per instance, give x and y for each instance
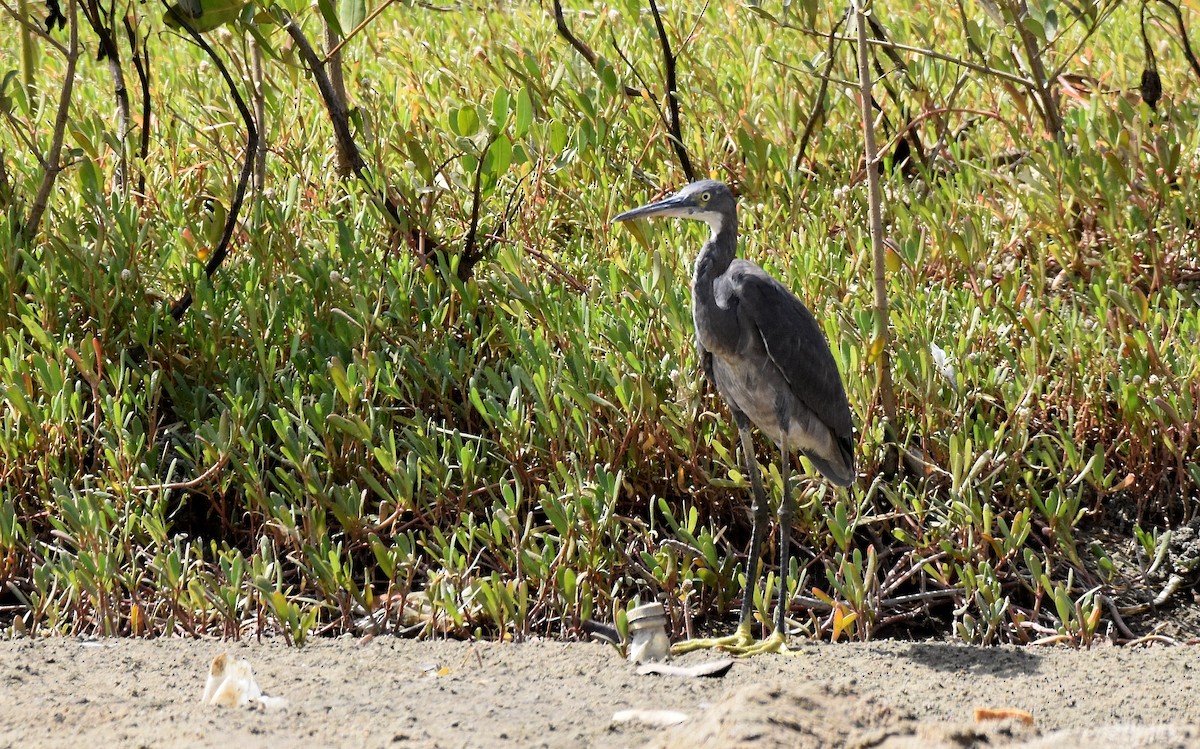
(765, 353)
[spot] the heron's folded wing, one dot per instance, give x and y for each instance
(794, 343)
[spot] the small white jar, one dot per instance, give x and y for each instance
(648, 634)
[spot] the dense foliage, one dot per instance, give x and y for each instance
(351, 430)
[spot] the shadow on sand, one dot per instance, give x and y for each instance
(996, 661)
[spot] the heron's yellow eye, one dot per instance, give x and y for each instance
(704, 197)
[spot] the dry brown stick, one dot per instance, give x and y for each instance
(340, 119)
(1043, 86)
(882, 326)
(582, 48)
(51, 165)
(189, 484)
(333, 67)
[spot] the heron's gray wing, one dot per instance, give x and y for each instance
(794, 343)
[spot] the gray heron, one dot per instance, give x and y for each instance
(763, 350)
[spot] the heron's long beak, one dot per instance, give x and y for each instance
(676, 205)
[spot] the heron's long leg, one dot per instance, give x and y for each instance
(777, 641)
(742, 641)
(762, 514)
(787, 510)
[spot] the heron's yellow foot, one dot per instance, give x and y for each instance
(741, 644)
(776, 643)
(739, 639)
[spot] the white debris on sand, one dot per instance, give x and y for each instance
(231, 684)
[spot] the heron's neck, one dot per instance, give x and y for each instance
(718, 252)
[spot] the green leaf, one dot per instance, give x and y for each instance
(608, 76)
(758, 11)
(212, 13)
(558, 136)
(524, 113)
(330, 14)
(353, 426)
(499, 156)
(501, 103)
(352, 13)
(466, 122)
(5, 100)
(1051, 25)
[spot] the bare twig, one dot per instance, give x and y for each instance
(190, 484)
(1044, 88)
(882, 325)
(1069, 58)
(109, 50)
(354, 32)
(140, 54)
(1115, 615)
(673, 119)
(260, 112)
(818, 105)
(231, 219)
(23, 20)
(662, 116)
(51, 165)
(1183, 36)
(333, 66)
(340, 120)
(582, 48)
(1174, 583)
(917, 121)
(932, 54)
(471, 254)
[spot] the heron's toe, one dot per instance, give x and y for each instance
(776, 643)
(739, 639)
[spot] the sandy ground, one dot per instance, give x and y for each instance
(400, 693)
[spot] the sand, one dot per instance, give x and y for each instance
(403, 693)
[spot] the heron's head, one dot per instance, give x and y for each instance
(708, 200)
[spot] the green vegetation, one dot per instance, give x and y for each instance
(487, 418)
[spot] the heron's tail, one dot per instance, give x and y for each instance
(838, 468)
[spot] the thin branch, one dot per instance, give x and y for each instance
(333, 66)
(190, 484)
(916, 121)
(1101, 17)
(933, 54)
(882, 325)
(141, 65)
(109, 51)
(1183, 36)
(470, 255)
(51, 165)
(260, 112)
(972, 45)
(340, 119)
(231, 219)
(582, 48)
(673, 122)
(1044, 86)
(362, 25)
(662, 116)
(818, 104)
